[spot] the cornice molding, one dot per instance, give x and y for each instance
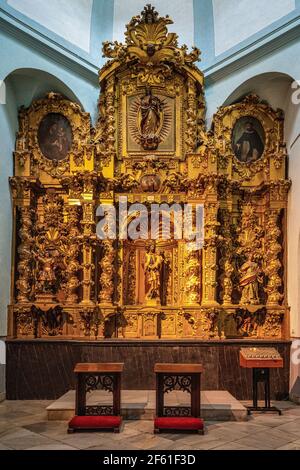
(89, 71)
(48, 47)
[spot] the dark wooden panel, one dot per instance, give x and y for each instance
(45, 369)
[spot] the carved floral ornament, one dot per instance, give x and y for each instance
(150, 44)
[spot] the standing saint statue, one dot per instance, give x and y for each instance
(45, 272)
(249, 283)
(153, 267)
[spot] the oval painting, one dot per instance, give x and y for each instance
(55, 136)
(248, 139)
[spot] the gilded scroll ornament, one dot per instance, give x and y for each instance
(148, 41)
(89, 321)
(25, 325)
(272, 327)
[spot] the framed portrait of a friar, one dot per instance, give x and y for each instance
(248, 139)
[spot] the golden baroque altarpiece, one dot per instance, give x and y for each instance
(150, 144)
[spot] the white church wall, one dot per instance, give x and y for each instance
(8, 128)
(70, 19)
(182, 13)
(236, 21)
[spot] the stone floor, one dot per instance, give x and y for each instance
(24, 425)
(141, 404)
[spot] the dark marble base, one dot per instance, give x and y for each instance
(43, 369)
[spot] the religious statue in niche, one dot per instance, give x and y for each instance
(46, 272)
(55, 136)
(251, 277)
(149, 120)
(248, 139)
(153, 269)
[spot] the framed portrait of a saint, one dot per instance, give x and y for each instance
(55, 137)
(248, 139)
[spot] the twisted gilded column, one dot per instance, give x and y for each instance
(88, 266)
(210, 254)
(107, 268)
(25, 255)
(273, 264)
(226, 249)
(192, 277)
(191, 117)
(71, 257)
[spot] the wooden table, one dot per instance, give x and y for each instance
(91, 377)
(183, 377)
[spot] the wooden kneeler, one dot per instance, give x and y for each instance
(185, 377)
(92, 377)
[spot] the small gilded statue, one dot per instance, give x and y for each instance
(153, 267)
(151, 115)
(250, 279)
(45, 271)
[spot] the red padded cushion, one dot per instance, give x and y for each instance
(95, 422)
(188, 424)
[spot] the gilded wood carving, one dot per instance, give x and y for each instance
(149, 144)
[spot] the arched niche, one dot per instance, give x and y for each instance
(134, 254)
(30, 84)
(272, 87)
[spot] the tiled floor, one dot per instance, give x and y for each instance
(24, 425)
